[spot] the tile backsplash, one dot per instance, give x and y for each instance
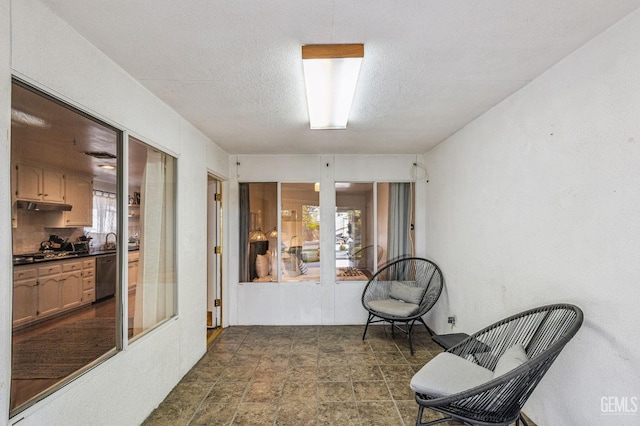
(31, 232)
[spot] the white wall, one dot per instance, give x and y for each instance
(538, 201)
(46, 52)
(326, 301)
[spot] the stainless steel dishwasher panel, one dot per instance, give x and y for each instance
(106, 272)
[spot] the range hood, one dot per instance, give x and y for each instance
(43, 206)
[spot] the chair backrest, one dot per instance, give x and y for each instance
(413, 271)
(543, 332)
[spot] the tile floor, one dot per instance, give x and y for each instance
(304, 375)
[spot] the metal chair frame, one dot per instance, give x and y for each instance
(425, 273)
(543, 332)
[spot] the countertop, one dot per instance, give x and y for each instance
(27, 259)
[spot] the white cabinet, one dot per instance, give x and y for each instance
(51, 288)
(88, 281)
(25, 295)
(134, 257)
(79, 194)
(71, 289)
(35, 183)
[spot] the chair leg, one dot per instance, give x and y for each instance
(409, 327)
(432, 422)
(366, 326)
(426, 326)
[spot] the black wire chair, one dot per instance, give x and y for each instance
(402, 292)
(543, 332)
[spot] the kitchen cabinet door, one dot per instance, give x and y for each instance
(133, 273)
(71, 289)
(37, 184)
(53, 186)
(48, 295)
(79, 193)
(29, 183)
(25, 301)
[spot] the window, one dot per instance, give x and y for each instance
(300, 232)
(373, 226)
(151, 244)
(61, 325)
(279, 250)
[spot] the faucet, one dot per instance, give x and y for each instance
(107, 244)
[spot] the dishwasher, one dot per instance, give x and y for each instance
(106, 272)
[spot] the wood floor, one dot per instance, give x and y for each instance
(23, 390)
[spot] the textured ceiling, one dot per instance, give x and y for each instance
(233, 68)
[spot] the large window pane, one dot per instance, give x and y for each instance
(64, 309)
(151, 244)
(258, 232)
(300, 232)
(355, 226)
(367, 234)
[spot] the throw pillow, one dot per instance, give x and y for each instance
(510, 359)
(405, 292)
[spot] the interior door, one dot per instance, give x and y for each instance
(214, 254)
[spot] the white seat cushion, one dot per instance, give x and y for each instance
(447, 374)
(393, 307)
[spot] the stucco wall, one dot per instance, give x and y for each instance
(46, 52)
(538, 201)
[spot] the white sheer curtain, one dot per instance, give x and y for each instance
(105, 215)
(154, 300)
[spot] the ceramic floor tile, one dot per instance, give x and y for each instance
(335, 391)
(400, 390)
(365, 372)
(371, 391)
(393, 357)
(361, 358)
(300, 391)
(266, 392)
(170, 414)
(251, 413)
(297, 413)
(338, 413)
(302, 373)
(236, 374)
(214, 414)
(303, 359)
(383, 413)
(226, 393)
(397, 372)
(308, 375)
(333, 373)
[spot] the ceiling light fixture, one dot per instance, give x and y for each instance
(330, 75)
(107, 166)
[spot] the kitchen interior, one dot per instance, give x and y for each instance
(64, 242)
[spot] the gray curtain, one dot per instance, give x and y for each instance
(245, 214)
(399, 226)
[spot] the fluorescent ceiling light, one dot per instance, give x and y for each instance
(330, 75)
(107, 166)
(22, 117)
